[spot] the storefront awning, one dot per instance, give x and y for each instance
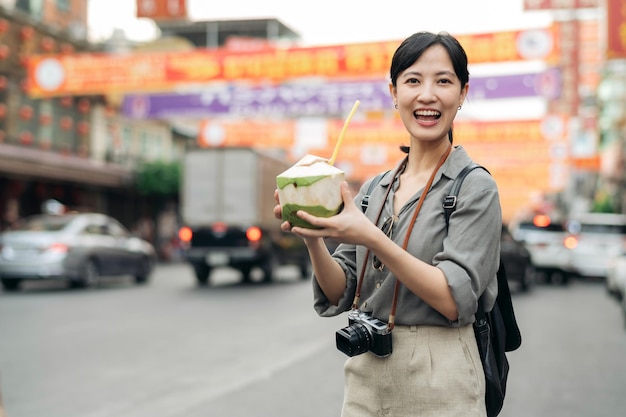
(39, 164)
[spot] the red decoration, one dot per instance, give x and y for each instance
(3, 82)
(24, 60)
(26, 112)
(3, 110)
(27, 33)
(66, 101)
(26, 138)
(4, 25)
(66, 123)
(84, 105)
(4, 52)
(82, 128)
(47, 43)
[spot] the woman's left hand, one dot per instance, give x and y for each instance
(349, 226)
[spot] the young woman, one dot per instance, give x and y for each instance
(434, 368)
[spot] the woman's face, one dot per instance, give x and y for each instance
(428, 94)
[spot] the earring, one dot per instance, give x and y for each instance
(395, 105)
(460, 107)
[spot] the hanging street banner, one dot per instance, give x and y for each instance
(616, 29)
(314, 98)
(162, 10)
(102, 73)
(560, 4)
(524, 156)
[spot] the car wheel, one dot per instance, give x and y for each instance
(11, 284)
(202, 273)
(528, 278)
(269, 268)
(90, 276)
(559, 278)
(143, 274)
(246, 274)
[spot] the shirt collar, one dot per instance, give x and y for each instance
(457, 160)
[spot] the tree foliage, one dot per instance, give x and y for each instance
(158, 178)
(603, 203)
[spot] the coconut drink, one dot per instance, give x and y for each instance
(312, 185)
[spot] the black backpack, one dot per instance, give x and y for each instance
(496, 331)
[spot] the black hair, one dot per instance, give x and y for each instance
(412, 48)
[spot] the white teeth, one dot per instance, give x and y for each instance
(427, 113)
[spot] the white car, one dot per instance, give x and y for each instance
(594, 239)
(80, 248)
(543, 237)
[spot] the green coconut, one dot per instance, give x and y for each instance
(311, 185)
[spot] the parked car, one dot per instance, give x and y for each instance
(593, 239)
(543, 236)
(80, 248)
(616, 276)
(516, 260)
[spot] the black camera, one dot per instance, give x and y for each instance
(364, 333)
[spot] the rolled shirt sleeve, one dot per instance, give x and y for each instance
(470, 255)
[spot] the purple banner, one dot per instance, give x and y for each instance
(317, 98)
(545, 84)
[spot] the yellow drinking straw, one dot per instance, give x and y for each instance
(343, 131)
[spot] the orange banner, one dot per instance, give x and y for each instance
(559, 4)
(84, 74)
(162, 9)
(526, 157)
(616, 29)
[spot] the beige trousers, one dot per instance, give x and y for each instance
(433, 371)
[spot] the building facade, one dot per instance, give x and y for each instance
(76, 150)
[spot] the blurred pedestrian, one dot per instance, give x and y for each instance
(145, 228)
(167, 227)
(410, 282)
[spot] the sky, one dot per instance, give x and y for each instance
(323, 22)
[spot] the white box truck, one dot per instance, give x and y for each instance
(227, 201)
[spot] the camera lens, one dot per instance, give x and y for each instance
(353, 340)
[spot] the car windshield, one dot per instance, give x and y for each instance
(43, 223)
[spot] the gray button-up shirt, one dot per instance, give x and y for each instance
(468, 253)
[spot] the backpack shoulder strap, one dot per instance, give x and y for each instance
(449, 202)
(366, 198)
(512, 337)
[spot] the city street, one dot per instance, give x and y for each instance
(171, 349)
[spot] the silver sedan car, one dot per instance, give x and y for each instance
(81, 248)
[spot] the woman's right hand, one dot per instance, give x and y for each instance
(278, 213)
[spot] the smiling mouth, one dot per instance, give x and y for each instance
(427, 115)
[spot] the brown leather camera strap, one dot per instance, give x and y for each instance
(359, 285)
(392, 314)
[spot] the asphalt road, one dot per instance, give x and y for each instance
(232, 350)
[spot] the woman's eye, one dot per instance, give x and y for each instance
(412, 81)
